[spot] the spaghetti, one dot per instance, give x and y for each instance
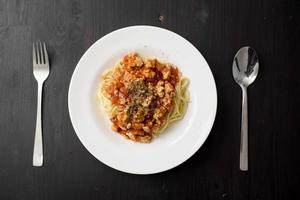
(143, 97)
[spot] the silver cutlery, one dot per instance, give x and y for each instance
(244, 69)
(40, 72)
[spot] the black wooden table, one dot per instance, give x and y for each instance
(218, 29)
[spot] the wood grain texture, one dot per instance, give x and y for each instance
(218, 29)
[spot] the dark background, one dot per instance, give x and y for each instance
(218, 29)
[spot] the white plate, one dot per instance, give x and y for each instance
(177, 143)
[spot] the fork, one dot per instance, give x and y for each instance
(40, 72)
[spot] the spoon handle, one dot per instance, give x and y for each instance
(244, 133)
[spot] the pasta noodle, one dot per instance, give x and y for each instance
(143, 97)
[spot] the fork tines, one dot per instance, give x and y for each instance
(40, 55)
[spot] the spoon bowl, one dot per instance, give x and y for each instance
(245, 66)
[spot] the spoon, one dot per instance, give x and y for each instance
(244, 70)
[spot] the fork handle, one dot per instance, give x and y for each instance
(244, 133)
(38, 139)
